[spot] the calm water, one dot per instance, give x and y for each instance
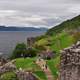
(8, 40)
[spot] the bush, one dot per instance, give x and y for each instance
(8, 76)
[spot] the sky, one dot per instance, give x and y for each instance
(37, 13)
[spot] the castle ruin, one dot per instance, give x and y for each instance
(30, 41)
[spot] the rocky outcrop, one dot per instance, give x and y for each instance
(70, 63)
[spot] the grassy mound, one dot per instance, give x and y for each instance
(27, 63)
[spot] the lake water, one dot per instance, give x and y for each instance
(8, 40)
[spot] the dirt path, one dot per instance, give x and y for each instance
(47, 71)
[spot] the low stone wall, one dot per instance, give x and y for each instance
(70, 63)
(7, 67)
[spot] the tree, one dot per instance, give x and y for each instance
(19, 51)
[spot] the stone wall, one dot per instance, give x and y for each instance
(70, 63)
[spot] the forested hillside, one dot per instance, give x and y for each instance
(66, 25)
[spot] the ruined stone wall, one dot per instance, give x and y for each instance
(22, 75)
(70, 63)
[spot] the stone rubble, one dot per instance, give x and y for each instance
(70, 63)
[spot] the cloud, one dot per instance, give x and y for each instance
(75, 9)
(39, 13)
(4, 13)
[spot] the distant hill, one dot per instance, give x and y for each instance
(14, 28)
(73, 23)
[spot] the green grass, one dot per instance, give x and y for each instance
(61, 41)
(53, 64)
(41, 75)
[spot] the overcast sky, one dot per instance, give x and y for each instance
(37, 13)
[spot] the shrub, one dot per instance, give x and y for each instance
(8, 76)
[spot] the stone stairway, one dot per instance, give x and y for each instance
(46, 70)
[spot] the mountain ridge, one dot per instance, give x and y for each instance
(15, 28)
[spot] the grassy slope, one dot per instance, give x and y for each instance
(58, 42)
(28, 64)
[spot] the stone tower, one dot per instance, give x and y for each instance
(70, 63)
(30, 41)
